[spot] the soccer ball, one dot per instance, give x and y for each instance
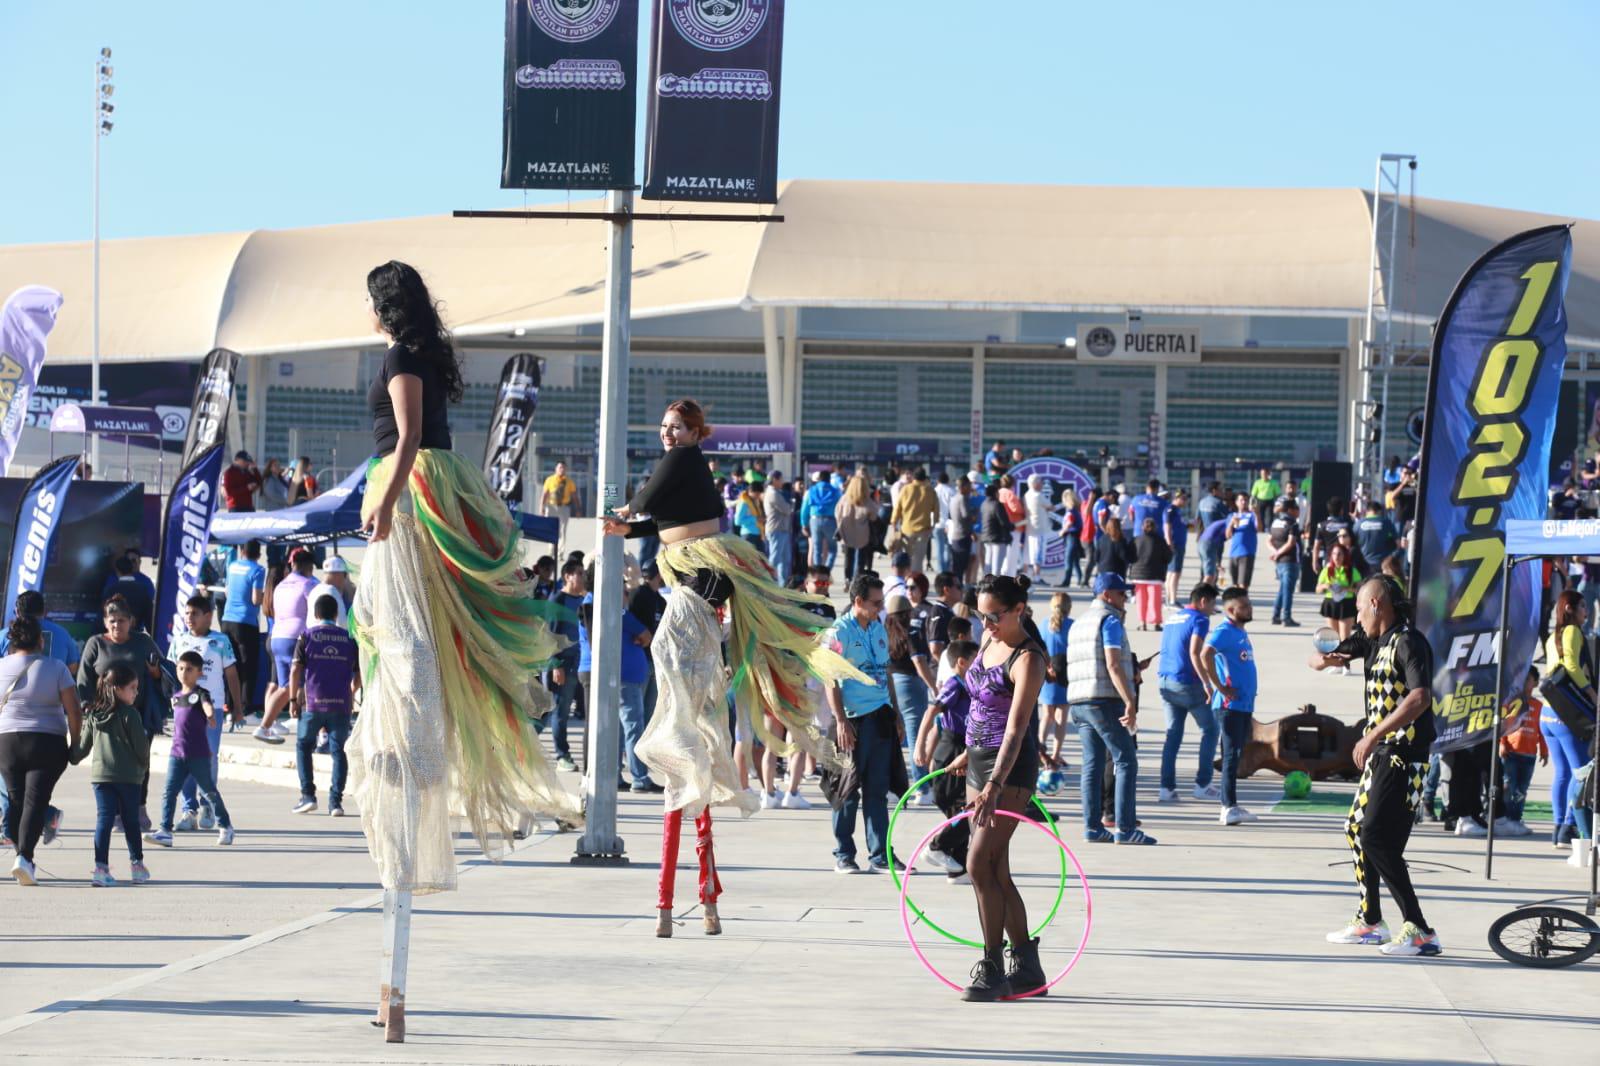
(1296, 785)
(1049, 782)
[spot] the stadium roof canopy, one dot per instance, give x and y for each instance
(1063, 248)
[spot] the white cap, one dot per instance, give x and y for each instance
(336, 565)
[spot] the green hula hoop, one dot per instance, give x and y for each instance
(921, 916)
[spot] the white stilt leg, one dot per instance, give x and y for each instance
(396, 953)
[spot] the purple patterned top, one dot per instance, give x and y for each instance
(992, 690)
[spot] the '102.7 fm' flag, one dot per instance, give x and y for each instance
(1493, 390)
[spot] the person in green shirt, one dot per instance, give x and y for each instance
(1338, 582)
(1262, 494)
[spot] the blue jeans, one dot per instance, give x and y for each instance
(179, 772)
(112, 801)
(564, 694)
(823, 547)
(941, 549)
(1211, 561)
(911, 694)
(337, 723)
(875, 741)
(214, 738)
(1100, 730)
(1288, 574)
(1235, 735)
(635, 716)
(1181, 699)
(1582, 816)
(1518, 772)
(1075, 568)
(780, 553)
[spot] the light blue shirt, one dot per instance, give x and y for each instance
(1236, 666)
(57, 643)
(868, 651)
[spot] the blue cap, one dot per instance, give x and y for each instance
(1108, 582)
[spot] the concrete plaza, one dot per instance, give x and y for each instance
(1207, 949)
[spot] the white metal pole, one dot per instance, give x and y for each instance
(600, 842)
(94, 358)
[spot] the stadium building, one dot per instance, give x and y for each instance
(1195, 329)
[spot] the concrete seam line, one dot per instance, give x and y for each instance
(238, 947)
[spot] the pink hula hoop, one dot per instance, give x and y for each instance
(1088, 901)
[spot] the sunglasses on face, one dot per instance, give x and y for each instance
(993, 619)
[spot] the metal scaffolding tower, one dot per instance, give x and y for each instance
(1377, 338)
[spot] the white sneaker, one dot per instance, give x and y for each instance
(769, 801)
(305, 806)
(24, 872)
(795, 802)
(962, 878)
(225, 836)
(267, 737)
(924, 799)
(1167, 795)
(1236, 816)
(281, 729)
(1359, 932)
(208, 818)
(1468, 827)
(940, 861)
(187, 823)
(1506, 827)
(1211, 792)
(160, 838)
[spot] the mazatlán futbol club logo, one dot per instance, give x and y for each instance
(719, 25)
(573, 21)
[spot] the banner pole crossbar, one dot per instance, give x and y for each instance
(617, 217)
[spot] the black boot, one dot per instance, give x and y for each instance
(988, 980)
(1026, 976)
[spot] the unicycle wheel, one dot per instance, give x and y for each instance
(1544, 937)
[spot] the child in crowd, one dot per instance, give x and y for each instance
(193, 711)
(940, 739)
(1521, 744)
(113, 732)
(958, 629)
(1053, 694)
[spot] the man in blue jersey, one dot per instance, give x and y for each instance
(1230, 668)
(241, 616)
(1185, 691)
(1242, 529)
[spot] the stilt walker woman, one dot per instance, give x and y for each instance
(449, 637)
(772, 649)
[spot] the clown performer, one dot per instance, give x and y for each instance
(773, 648)
(448, 637)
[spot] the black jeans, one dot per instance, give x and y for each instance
(856, 560)
(246, 637)
(31, 763)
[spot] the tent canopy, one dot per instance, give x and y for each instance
(894, 245)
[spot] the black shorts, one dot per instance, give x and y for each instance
(1024, 772)
(1339, 610)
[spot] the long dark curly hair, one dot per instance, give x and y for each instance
(410, 315)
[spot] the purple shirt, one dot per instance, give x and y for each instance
(328, 655)
(991, 689)
(289, 601)
(189, 720)
(956, 703)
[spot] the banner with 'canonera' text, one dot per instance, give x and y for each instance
(26, 320)
(715, 72)
(39, 513)
(570, 98)
(185, 530)
(514, 406)
(1493, 390)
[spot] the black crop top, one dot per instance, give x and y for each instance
(435, 415)
(680, 492)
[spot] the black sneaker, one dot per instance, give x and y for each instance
(845, 866)
(878, 866)
(988, 982)
(1290, 623)
(1277, 621)
(647, 786)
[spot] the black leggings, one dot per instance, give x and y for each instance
(246, 638)
(31, 763)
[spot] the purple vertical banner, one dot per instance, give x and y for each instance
(26, 320)
(715, 72)
(184, 535)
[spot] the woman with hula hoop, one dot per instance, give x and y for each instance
(1001, 761)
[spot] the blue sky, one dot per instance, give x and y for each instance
(238, 116)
